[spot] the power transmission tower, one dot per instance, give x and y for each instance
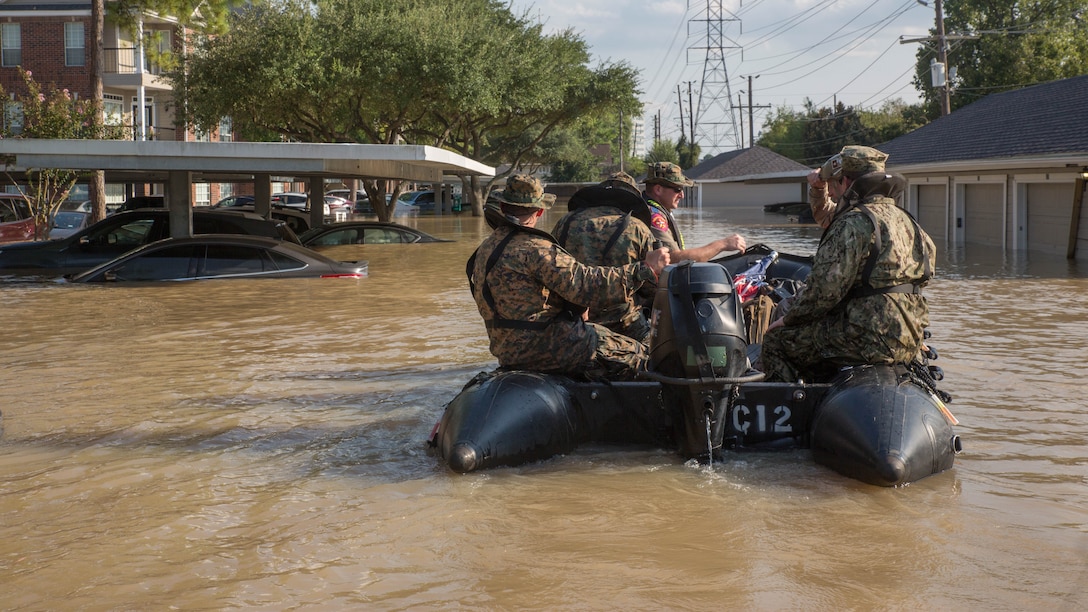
(715, 120)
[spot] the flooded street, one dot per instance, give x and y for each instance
(236, 444)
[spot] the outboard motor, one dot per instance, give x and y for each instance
(697, 351)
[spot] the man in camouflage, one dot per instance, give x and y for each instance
(665, 184)
(532, 294)
(608, 225)
(863, 301)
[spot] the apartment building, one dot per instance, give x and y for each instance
(52, 39)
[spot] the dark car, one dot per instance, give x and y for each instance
(216, 256)
(16, 221)
(122, 232)
(138, 202)
(297, 219)
(363, 232)
(423, 200)
(232, 201)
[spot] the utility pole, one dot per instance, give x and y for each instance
(621, 140)
(740, 105)
(691, 122)
(680, 101)
(751, 119)
(940, 75)
(942, 57)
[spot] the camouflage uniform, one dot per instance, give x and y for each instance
(661, 222)
(607, 235)
(531, 293)
(841, 320)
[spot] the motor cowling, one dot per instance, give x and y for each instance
(698, 340)
(698, 325)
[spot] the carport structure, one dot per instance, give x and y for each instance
(178, 165)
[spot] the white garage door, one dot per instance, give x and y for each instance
(1049, 210)
(932, 215)
(983, 218)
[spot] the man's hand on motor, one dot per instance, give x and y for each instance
(657, 259)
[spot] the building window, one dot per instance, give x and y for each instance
(113, 108)
(203, 195)
(226, 129)
(11, 45)
(13, 117)
(73, 44)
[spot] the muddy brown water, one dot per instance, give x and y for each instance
(260, 444)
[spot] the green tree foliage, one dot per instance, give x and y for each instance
(467, 75)
(687, 154)
(1019, 43)
(818, 133)
(47, 113)
(662, 151)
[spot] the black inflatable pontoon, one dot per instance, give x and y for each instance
(881, 424)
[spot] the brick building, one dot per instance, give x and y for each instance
(52, 39)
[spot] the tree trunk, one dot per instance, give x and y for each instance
(97, 187)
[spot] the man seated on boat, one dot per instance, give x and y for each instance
(532, 294)
(608, 225)
(665, 184)
(863, 302)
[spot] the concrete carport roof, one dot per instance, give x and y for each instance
(178, 164)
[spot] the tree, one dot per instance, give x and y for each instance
(467, 75)
(49, 113)
(1018, 44)
(662, 151)
(688, 154)
(818, 133)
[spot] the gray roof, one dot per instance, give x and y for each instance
(1045, 119)
(753, 161)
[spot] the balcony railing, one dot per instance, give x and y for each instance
(123, 61)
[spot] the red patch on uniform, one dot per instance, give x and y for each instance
(659, 221)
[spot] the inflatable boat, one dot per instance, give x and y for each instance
(885, 425)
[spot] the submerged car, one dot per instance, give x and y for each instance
(217, 256)
(16, 221)
(122, 232)
(363, 232)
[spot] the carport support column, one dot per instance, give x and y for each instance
(317, 200)
(262, 194)
(1074, 222)
(180, 203)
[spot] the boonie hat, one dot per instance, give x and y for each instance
(667, 173)
(853, 161)
(621, 180)
(523, 190)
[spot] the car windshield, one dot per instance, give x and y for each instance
(13, 209)
(68, 220)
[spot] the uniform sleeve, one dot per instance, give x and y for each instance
(590, 286)
(823, 208)
(835, 269)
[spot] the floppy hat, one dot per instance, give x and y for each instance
(667, 173)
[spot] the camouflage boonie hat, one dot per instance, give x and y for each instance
(621, 180)
(523, 190)
(853, 161)
(667, 173)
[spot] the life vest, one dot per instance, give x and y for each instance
(677, 237)
(891, 186)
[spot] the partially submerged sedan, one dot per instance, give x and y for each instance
(211, 256)
(363, 232)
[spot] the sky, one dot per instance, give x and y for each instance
(826, 51)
